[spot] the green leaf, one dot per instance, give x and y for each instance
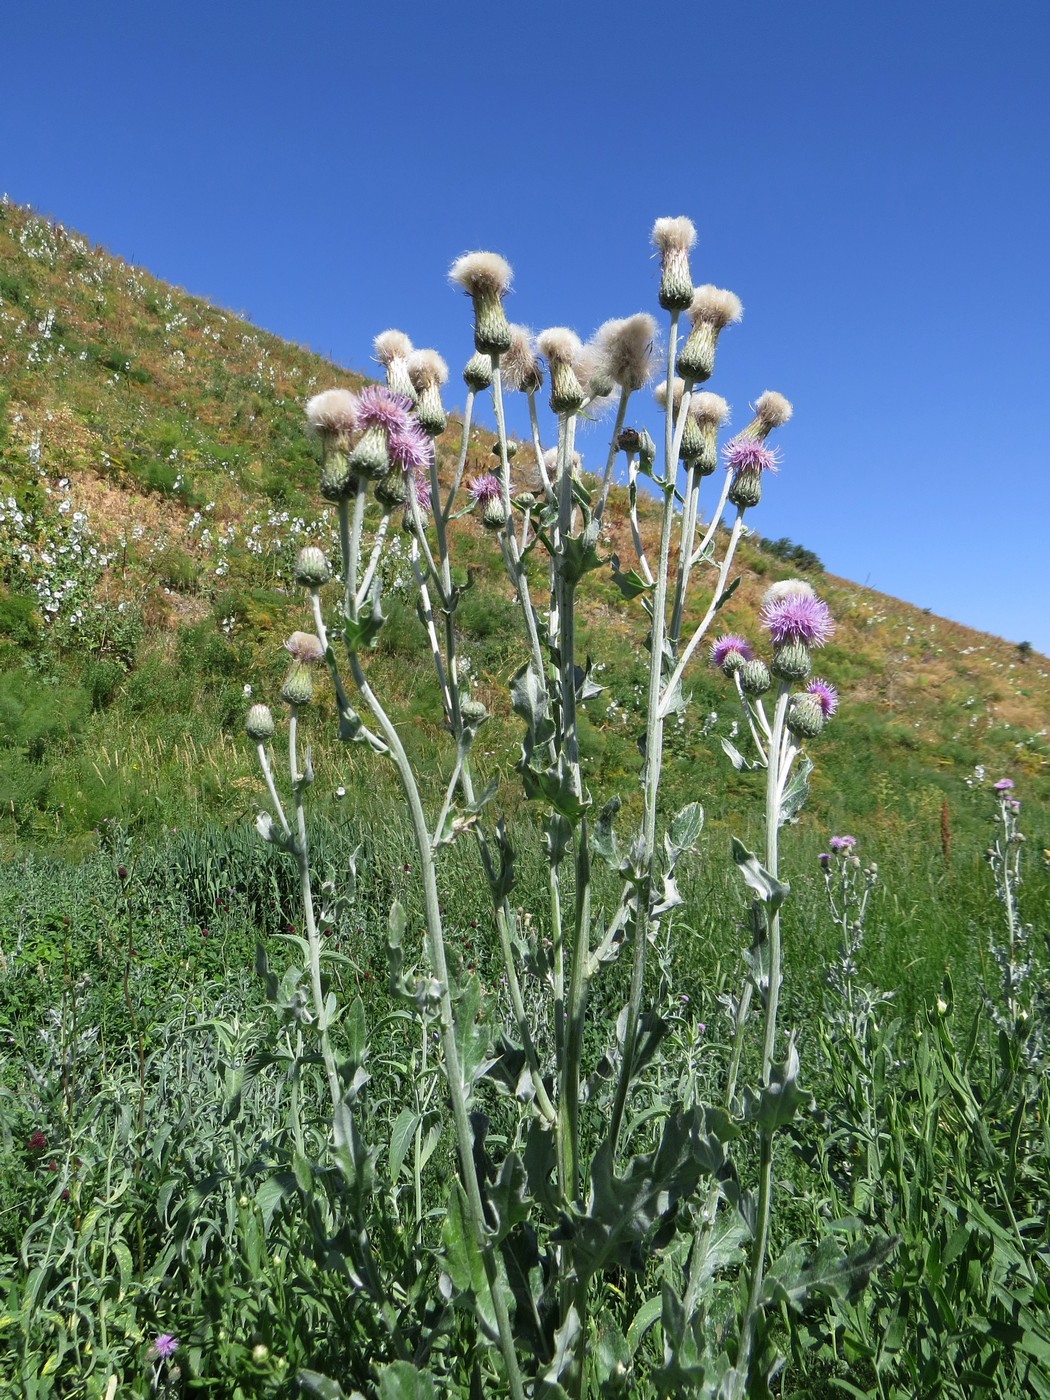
(643, 1319)
(361, 632)
(631, 584)
(322, 1386)
(771, 891)
(555, 785)
(272, 1193)
(796, 792)
(577, 557)
(686, 827)
(831, 1273)
(603, 838)
(400, 1380)
(725, 596)
(401, 1135)
(464, 1261)
(777, 1103)
(736, 758)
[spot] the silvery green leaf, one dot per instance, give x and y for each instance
(686, 827)
(564, 1346)
(796, 792)
(586, 689)
(831, 1273)
(603, 838)
(736, 758)
(323, 1387)
(631, 584)
(670, 898)
(777, 1103)
(265, 827)
(771, 891)
(727, 593)
(362, 631)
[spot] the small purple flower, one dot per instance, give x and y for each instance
(728, 644)
(746, 454)
(410, 447)
(1003, 785)
(797, 617)
(379, 408)
(1014, 804)
(842, 843)
(166, 1345)
(419, 485)
(485, 488)
(825, 860)
(826, 695)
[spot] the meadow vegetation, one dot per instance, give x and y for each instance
(298, 1115)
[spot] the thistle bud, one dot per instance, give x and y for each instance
(512, 450)
(791, 661)
(370, 457)
(391, 491)
(673, 238)
(338, 482)
(805, 718)
(485, 277)
(473, 713)
(754, 677)
(477, 372)
(494, 514)
(747, 459)
(392, 349)
(259, 724)
(332, 417)
(710, 311)
(428, 371)
(560, 347)
(692, 444)
(646, 452)
(298, 687)
(311, 567)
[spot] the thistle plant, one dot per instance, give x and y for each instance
(586, 1185)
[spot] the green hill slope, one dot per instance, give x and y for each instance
(155, 483)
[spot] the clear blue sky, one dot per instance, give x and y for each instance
(872, 180)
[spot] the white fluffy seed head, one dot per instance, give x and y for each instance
(709, 408)
(520, 368)
(674, 235)
(592, 372)
(558, 345)
(773, 409)
(626, 347)
(480, 273)
(550, 459)
(788, 588)
(715, 306)
(677, 390)
(426, 369)
(391, 345)
(334, 411)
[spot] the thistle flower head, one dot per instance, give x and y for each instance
(560, 347)
(747, 454)
(481, 274)
(379, 408)
(715, 307)
(485, 488)
(486, 278)
(521, 369)
(708, 408)
(797, 618)
(825, 694)
(1003, 785)
(333, 413)
(304, 646)
(729, 653)
(773, 409)
(677, 390)
(164, 1346)
(842, 843)
(426, 369)
(673, 238)
(391, 345)
(626, 349)
(410, 447)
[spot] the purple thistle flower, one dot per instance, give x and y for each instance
(825, 860)
(485, 488)
(165, 1345)
(410, 447)
(1003, 785)
(826, 694)
(742, 454)
(842, 843)
(379, 408)
(797, 617)
(728, 644)
(419, 485)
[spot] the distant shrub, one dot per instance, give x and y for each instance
(791, 553)
(19, 618)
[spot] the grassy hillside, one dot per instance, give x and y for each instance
(155, 483)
